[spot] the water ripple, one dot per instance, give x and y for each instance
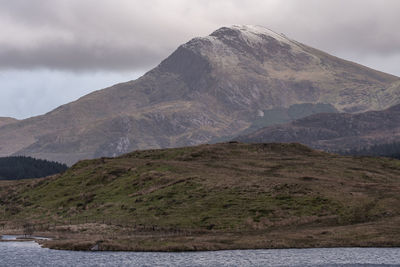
(31, 254)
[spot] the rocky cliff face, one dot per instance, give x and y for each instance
(335, 132)
(209, 87)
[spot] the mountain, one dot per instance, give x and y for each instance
(335, 132)
(223, 196)
(210, 87)
(6, 120)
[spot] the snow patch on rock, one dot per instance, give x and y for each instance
(254, 34)
(122, 146)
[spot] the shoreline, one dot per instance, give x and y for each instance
(68, 248)
(94, 239)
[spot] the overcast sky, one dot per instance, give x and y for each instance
(54, 51)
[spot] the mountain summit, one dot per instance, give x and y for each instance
(210, 87)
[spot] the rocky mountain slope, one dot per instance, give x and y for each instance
(335, 132)
(210, 87)
(224, 196)
(6, 120)
(280, 115)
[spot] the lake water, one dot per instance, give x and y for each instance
(31, 254)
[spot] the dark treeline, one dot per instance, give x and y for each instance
(20, 167)
(391, 150)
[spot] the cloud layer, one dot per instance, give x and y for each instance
(75, 35)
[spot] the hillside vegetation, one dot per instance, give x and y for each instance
(238, 195)
(15, 168)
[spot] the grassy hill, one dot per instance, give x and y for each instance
(229, 195)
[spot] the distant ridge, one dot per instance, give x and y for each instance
(339, 132)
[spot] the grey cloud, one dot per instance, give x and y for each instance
(137, 34)
(362, 26)
(78, 58)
